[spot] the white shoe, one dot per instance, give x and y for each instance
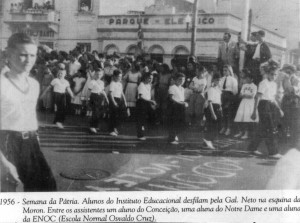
(256, 152)
(142, 138)
(116, 131)
(113, 134)
(59, 125)
(222, 131)
(93, 130)
(238, 135)
(276, 156)
(174, 143)
(209, 144)
(228, 132)
(245, 136)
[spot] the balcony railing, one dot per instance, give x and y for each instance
(33, 15)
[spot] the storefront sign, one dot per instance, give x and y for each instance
(165, 21)
(128, 21)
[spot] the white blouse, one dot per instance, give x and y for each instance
(60, 85)
(96, 86)
(177, 93)
(18, 110)
(268, 89)
(145, 91)
(116, 89)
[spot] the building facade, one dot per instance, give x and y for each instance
(165, 32)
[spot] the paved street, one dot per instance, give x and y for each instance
(84, 162)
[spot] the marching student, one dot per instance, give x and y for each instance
(229, 86)
(60, 86)
(244, 112)
(79, 82)
(268, 111)
(21, 158)
(144, 104)
(98, 99)
(117, 102)
(176, 108)
(197, 100)
(213, 112)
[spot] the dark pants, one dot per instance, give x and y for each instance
(26, 156)
(176, 114)
(228, 107)
(60, 102)
(213, 126)
(116, 113)
(98, 105)
(268, 120)
(291, 109)
(143, 109)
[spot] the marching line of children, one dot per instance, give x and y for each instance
(213, 97)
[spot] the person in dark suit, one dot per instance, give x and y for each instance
(228, 53)
(261, 55)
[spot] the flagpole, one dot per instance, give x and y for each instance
(244, 34)
(194, 28)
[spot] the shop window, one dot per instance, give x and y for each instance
(85, 6)
(85, 46)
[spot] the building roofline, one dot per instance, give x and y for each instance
(184, 14)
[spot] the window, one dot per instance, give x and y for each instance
(85, 6)
(158, 57)
(86, 46)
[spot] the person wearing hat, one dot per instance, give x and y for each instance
(21, 159)
(261, 55)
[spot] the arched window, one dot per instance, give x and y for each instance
(85, 6)
(111, 49)
(180, 50)
(132, 50)
(157, 53)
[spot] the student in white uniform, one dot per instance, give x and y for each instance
(60, 87)
(98, 99)
(213, 112)
(176, 108)
(20, 156)
(229, 87)
(268, 111)
(117, 102)
(197, 100)
(144, 104)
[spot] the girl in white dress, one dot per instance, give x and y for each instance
(243, 115)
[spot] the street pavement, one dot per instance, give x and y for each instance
(81, 161)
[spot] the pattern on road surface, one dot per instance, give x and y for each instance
(80, 140)
(144, 165)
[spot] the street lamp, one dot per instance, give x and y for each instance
(188, 20)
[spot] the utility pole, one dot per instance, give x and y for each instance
(194, 28)
(244, 34)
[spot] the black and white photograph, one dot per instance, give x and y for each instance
(149, 95)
